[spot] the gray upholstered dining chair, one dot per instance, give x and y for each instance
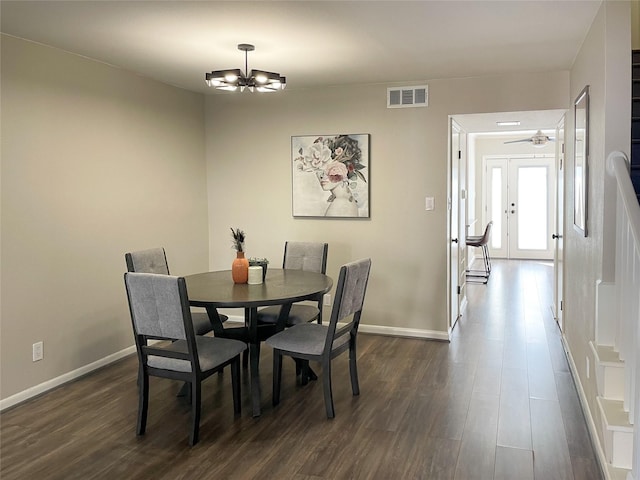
(308, 256)
(154, 260)
(159, 308)
(322, 343)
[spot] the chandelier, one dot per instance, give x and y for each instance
(233, 79)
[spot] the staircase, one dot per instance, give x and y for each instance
(617, 441)
(616, 349)
(635, 121)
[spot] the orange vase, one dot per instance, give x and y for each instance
(240, 269)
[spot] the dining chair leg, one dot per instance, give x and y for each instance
(326, 382)
(143, 402)
(353, 369)
(195, 411)
(277, 377)
(245, 359)
(184, 390)
(304, 371)
(235, 385)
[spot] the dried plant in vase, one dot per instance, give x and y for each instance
(238, 239)
(240, 265)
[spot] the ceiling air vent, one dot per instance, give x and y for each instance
(403, 97)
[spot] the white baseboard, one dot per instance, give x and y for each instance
(67, 377)
(404, 332)
(593, 432)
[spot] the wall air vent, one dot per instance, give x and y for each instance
(404, 97)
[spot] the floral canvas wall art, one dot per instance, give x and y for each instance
(330, 175)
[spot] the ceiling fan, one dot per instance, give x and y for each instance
(538, 139)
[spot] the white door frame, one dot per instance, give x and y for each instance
(558, 256)
(453, 234)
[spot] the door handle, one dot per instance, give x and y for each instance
(554, 236)
(513, 211)
(454, 240)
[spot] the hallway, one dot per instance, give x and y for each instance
(523, 405)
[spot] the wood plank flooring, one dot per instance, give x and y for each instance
(498, 402)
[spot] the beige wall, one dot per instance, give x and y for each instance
(96, 161)
(603, 65)
(249, 178)
(635, 25)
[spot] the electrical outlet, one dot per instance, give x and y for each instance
(37, 351)
(327, 299)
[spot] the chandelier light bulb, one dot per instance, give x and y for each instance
(232, 79)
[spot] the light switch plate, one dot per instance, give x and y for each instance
(429, 203)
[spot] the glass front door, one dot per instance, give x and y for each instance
(520, 201)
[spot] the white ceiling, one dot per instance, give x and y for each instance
(531, 121)
(312, 43)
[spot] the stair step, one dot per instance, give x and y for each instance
(617, 432)
(609, 372)
(617, 417)
(617, 473)
(607, 354)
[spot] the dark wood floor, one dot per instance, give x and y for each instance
(498, 402)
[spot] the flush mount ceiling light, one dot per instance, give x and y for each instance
(233, 79)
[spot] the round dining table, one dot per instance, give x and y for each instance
(214, 290)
